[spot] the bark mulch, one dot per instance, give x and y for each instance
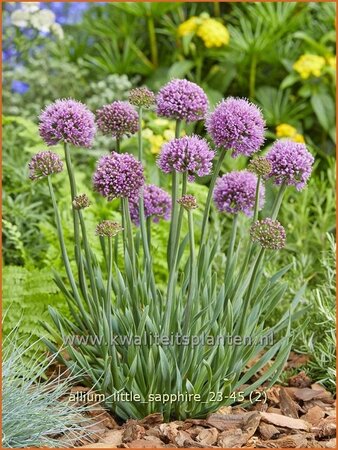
(300, 415)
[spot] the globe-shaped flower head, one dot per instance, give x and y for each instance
(43, 164)
(117, 119)
(291, 163)
(118, 176)
(269, 233)
(187, 154)
(157, 204)
(237, 124)
(236, 192)
(141, 97)
(183, 100)
(67, 121)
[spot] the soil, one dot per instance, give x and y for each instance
(300, 414)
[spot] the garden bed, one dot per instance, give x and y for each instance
(298, 414)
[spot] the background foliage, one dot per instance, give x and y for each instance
(108, 48)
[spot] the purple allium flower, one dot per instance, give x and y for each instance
(237, 124)
(188, 202)
(269, 233)
(43, 164)
(117, 119)
(69, 121)
(118, 175)
(182, 99)
(187, 154)
(157, 204)
(236, 192)
(142, 97)
(291, 163)
(108, 228)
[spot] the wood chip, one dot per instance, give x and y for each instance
(141, 443)
(183, 439)
(267, 431)
(300, 380)
(306, 394)
(225, 422)
(207, 436)
(169, 431)
(313, 415)
(132, 431)
(296, 360)
(152, 419)
(292, 441)
(251, 422)
(288, 406)
(327, 427)
(286, 422)
(232, 439)
(113, 438)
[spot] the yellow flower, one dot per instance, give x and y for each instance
(308, 65)
(331, 60)
(298, 138)
(147, 133)
(156, 142)
(159, 122)
(188, 27)
(213, 33)
(169, 135)
(284, 130)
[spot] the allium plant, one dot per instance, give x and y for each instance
(204, 337)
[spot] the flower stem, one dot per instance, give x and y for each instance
(118, 142)
(65, 257)
(278, 201)
(139, 135)
(211, 190)
(173, 262)
(129, 240)
(231, 244)
(77, 238)
(192, 274)
(109, 279)
(174, 207)
(255, 216)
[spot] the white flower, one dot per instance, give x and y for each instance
(30, 7)
(42, 20)
(57, 30)
(20, 18)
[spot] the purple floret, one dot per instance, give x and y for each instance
(187, 154)
(236, 192)
(43, 164)
(157, 204)
(237, 124)
(291, 163)
(183, 100)
(118, 175)
(67, 121)
(117, 119)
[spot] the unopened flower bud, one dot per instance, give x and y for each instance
(260, 166)
(81, 201)
(142, 97)
(108, 228)
(269, 233)
(43, 164)
(188, 202)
